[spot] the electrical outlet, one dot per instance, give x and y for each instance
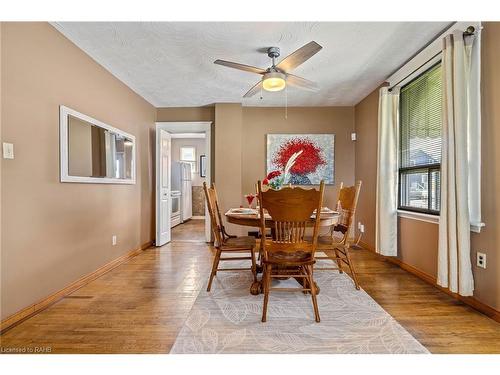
(481, 259)
(362, 228)
(113, 240)
(8, 150)
(359, 225)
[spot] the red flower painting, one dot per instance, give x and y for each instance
(303, 159)
(306, 163)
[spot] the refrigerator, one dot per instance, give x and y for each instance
(182, 181)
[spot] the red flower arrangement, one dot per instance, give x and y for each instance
(273, 174)
(306, 163)
(273, 179)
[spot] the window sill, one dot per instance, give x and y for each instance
(419, 216)
(434, 219)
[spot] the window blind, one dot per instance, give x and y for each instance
(420, 142)
(421, 120)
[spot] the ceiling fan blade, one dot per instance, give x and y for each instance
(300, 56)
(246, 68)
(254, 90)
(301, 82)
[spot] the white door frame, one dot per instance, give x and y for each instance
(190, 127)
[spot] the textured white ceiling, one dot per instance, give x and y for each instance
(170, 64)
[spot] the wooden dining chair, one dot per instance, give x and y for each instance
(337, 247)
(287, 253)
(225, 243)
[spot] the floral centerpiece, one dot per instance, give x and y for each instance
(276, 179)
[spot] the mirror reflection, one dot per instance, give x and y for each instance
(97, 152)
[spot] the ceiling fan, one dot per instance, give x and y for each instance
(276, 77)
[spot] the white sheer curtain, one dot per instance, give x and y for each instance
(386, 235)
(454, 263)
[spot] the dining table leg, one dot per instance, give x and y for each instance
(256, 288)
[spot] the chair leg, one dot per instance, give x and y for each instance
(339, 261)
(351, 267)
(305, 282)
(313, 292)
(254, 264)
(214, 269)
(266, 281)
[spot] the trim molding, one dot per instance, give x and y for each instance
(470, 301)
(35, 308)
(433, 219)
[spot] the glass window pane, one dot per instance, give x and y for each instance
(415, 189)
(435, 190)
(188, 154)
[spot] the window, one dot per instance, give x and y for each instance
(188, 155)
(420, 143)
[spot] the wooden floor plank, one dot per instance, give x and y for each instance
(140, 306)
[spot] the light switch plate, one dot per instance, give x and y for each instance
(8, 150)
(353, 136)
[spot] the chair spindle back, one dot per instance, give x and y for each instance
(346, 206)
(290, 210)
(215, 216)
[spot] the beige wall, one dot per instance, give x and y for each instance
(487, 281)
(418, 240)
(228, 157)
(365, 114)
(259, 121)
(187, 114)
(54, 233)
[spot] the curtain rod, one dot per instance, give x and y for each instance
(469, 31)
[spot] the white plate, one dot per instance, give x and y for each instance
(243, 211)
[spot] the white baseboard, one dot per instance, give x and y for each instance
(198, 217)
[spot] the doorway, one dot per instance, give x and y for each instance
(182, 165)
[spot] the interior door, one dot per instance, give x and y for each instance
(163, 198)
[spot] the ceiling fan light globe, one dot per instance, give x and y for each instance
(273, 81)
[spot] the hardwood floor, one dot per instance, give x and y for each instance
(192, 230)
(140, 306)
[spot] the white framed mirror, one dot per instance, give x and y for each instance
(94, 152)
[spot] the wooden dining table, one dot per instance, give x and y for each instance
(238, 216)
(247, 218)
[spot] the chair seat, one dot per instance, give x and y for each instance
(290, 258)
(239, 243)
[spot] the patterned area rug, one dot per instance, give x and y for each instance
(227, 320)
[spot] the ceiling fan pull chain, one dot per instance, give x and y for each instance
(286, 102)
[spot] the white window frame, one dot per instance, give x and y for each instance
(426, 58)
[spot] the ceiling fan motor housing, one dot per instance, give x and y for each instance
(273, 52)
